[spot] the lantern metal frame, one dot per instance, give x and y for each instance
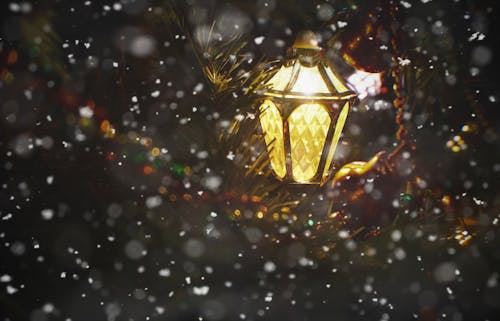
(305, 54)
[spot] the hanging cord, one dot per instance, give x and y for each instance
(398, 86)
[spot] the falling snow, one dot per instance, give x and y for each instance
(121, 201)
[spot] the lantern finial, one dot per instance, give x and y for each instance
(306, 39)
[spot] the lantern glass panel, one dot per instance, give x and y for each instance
(336, 136)
(308, 125)
(281, 79)
(303, 114)
(309, 81)
(336, 80)
(272, 126)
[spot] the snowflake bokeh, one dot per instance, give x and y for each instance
(119, 199)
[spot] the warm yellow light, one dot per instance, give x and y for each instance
(279, 81)
(309, 124)
(336, 137)
(272, 125)
(309, 81)
(338, 83)
(303, 114)
(299, 81)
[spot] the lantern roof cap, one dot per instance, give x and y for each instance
(308, 75)
(306, 39)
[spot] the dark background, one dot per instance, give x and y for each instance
(97, 253)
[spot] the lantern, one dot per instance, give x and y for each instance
(302, 113)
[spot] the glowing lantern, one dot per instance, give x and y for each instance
(303, 112)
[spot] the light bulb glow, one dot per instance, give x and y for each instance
(302, 115)
(309, 82)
